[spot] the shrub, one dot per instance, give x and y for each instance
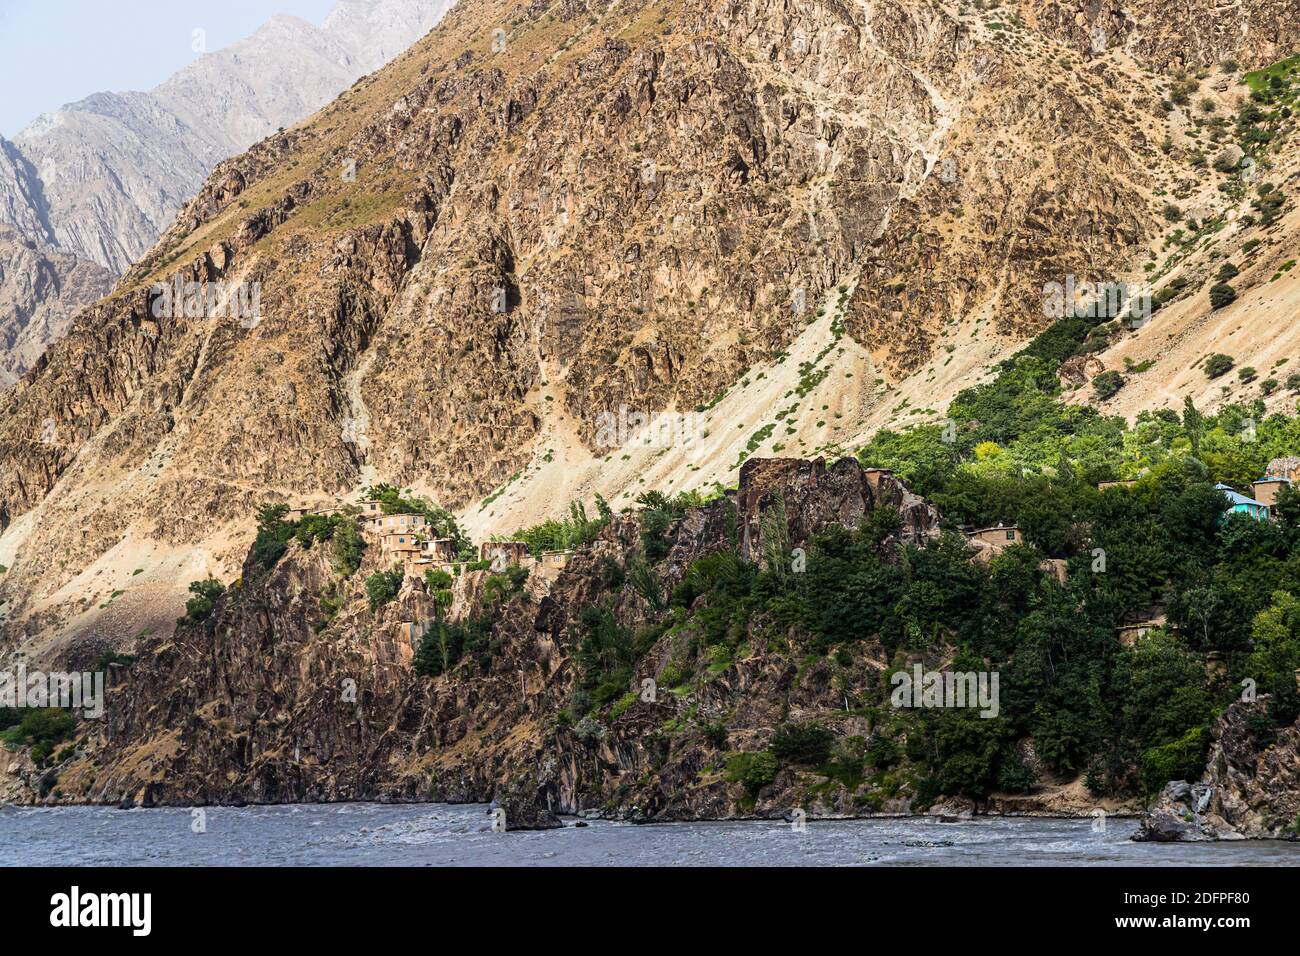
(382, 587)
(1222, 294)
(273, 534)
(1246, 374)
(349, 546)
(1108, 383)
(199, 607)
(882, 753)
(1172, 212)
(802, 744)
(1227, 271)
(438, 580)
(1181, 759)
(1293, 382)
(44, 727)
(754, 770)
(1218, 364)
(109, 658)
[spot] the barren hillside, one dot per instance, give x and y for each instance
(789, 223)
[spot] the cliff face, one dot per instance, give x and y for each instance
(1250, 789)
(786, 216)
(93, 184)
(40, 290)
(271, 699)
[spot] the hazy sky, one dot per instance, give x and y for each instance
(54, 52)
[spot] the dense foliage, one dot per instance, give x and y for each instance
(274, 533)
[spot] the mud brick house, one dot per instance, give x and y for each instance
(1267, 489)
(402, 545)
(390, 524)
(438, 550)
(997, 537)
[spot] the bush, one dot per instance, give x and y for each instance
(1107, 384)
(1218, 364)
(382, 587)
(109, 658)
(273, 534)
(438, 580)
(1181, 759)
(1246, 374)
(803, 744)
(1227, 271)
(754, 770)
(1222, 294)
(882, 753)
(349, 546)
(44, 727)
(199, 607)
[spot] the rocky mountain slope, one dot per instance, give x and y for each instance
(788, 224)
(40, 289)
(96, 182)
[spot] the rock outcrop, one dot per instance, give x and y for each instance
(276, 698)
(1250, 790)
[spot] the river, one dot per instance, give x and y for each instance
(442, 835)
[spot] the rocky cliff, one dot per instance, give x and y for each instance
(1250, 790)
(279, 697)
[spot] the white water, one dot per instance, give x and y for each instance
(437, 834)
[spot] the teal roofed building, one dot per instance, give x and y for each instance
(1240, 504)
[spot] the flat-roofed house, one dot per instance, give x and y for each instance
(438, 550)
(1137, 624)
(555, 560)
(999, 536)
(1122, 483)
(1130, 634)
(388, 524)
(400, 544)
(1267, 489)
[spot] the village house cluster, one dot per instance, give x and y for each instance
(408, 539)
(1281, 473)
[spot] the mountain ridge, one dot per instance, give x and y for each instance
(101, 178)
(523, 172)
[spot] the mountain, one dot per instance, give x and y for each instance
(835, 217)
(100, 179)
(39, 289)
(772, 231)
